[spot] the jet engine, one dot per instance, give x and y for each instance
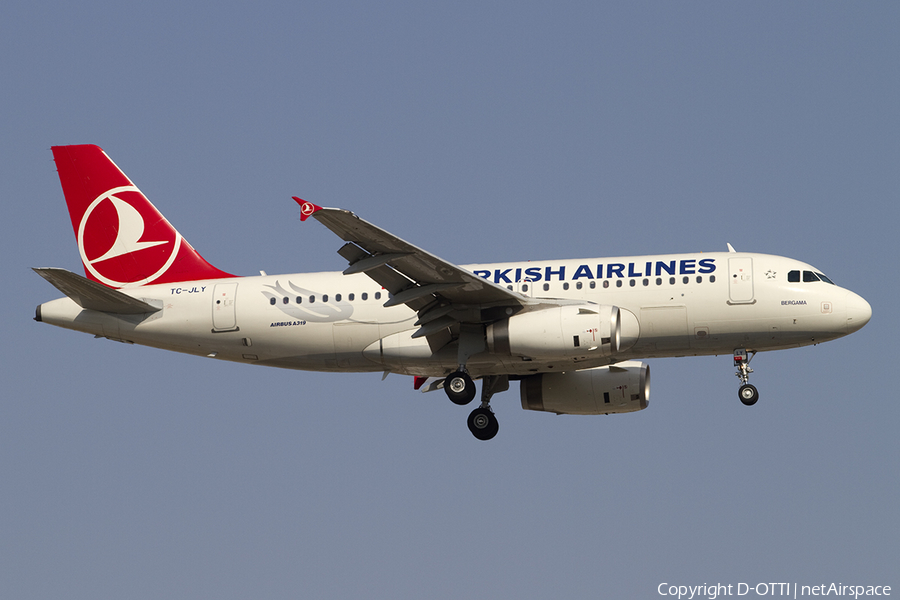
(574, 331)
(619, 388)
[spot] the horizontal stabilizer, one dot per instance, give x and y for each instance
(92, 295)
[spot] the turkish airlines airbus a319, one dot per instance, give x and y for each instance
(570, 331)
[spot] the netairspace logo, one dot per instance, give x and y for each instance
(792, 590)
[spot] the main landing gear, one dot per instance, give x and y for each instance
(747, 392)
(460, 388)
(482, 423)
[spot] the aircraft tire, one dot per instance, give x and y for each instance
(483, 424)
(748, 394)
(460, 388)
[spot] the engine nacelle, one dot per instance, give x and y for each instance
(575, 331)
(620, 388)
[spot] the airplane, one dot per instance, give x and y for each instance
(572, 332)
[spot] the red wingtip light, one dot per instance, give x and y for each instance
(306, 208)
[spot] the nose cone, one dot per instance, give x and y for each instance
(858, 312)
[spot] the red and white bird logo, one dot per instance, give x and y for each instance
(113, 229)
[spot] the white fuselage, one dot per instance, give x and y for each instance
(674, 305)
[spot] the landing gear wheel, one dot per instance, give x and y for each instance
(748, 394)
(483, 424)
(459, 387)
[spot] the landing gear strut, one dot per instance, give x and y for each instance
(747, 392)
(482, 422)
(460, 387)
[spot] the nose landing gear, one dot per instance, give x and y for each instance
(747, 392)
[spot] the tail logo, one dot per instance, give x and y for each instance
(114, 239)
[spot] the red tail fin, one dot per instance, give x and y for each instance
(122, 238)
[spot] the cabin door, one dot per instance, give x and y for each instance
(740, 280)
(224, 318)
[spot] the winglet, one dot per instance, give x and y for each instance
(306, 208)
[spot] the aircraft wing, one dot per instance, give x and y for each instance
(442, 293)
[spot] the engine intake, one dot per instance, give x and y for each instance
(620, 388)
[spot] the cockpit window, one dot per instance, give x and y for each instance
(808, 277)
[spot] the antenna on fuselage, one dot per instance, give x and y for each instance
(730, 247)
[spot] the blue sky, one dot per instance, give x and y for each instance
(483, 132)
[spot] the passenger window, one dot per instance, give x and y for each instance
(699, 279)
(286, 300)
(272, 301)
(794, 277)
(525, 287)
(566, 285)
(618, 283)
(324, 297)
(631, 282)
(350, 297)
(671, 281)
(659, 281)
(646, 282)
(509, 287)
(299, 299)
(578, 285)
(712, 278)
(546, 287)
(312, 299)
(686, 279)
(593, 284)
(337, 297)
(378, 295)
(809, 277)
(365, 296)
(606, 283)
